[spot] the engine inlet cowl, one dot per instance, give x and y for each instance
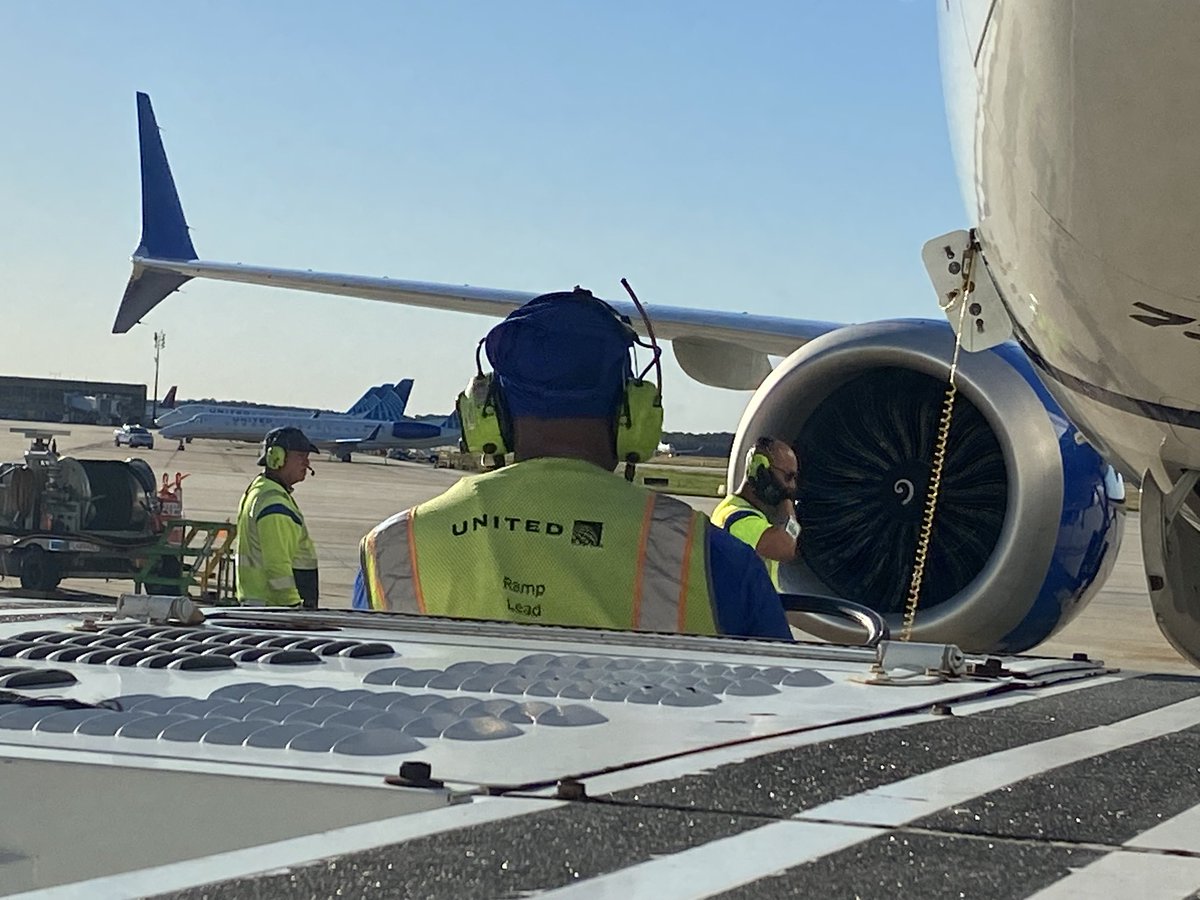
(1016, 547)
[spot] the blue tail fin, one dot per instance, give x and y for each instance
(403, 389)
(392, 402)
(365, 405)
(383, 401)
(164, 230)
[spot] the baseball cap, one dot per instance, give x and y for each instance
(562, 355)
(288, 438)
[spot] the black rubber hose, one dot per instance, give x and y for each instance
(871, 621)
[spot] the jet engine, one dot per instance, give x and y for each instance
(1028, 519)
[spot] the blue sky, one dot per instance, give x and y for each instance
(777, 157)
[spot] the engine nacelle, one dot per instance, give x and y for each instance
(1029, 517)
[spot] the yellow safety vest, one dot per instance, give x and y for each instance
(547, 541)
(747, 527)
(272, 544)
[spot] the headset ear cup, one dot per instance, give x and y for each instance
(639, 423)
(503, 420)
(757, 462)
(758, 473)
(276, 456)
(478, 409)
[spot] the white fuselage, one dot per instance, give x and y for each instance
(325, 431)
(252, 427)
(191, 410)
(1076, 133)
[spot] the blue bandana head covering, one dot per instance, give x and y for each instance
(562, 355)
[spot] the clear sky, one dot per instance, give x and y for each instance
(784, 157)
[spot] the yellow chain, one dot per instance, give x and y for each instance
(939, 453)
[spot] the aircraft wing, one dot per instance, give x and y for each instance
(725, 349)
(343, 447)
(696, 333)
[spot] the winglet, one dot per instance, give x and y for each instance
(164, 229)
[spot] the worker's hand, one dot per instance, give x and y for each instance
(785, 510)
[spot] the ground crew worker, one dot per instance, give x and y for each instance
(762, 511)
(556, 538)
(276, 558)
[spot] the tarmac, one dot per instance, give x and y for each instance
(342, 501)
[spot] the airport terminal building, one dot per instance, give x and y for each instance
(58, 400)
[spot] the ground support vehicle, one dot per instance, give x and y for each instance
(65, 517)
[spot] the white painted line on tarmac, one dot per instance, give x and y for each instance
(1147, 876)
(291, 853)
(722, 865)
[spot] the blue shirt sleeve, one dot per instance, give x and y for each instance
(746, 602)
(358, 599)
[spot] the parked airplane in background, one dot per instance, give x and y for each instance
(383, 401)
(668, 449)
(340, 435)
(168, 400)
(1084, 239)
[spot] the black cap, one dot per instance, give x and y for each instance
(288, 438)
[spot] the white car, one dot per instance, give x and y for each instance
(133, 436)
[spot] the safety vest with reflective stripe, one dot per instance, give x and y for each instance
(272, 542)
(548, 541)
(746, 522)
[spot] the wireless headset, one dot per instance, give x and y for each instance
(485, 422)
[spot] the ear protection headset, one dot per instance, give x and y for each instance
(758, 473)
(485, 422)
(275, 457)
(485, 426)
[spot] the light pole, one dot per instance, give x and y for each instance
(160, 341)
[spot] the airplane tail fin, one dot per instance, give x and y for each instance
(403, 390)
(384, 401)
(360, 406)
(164, 229)
(168, 402)
(365, 404)
(452, 421)
(392, 402)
